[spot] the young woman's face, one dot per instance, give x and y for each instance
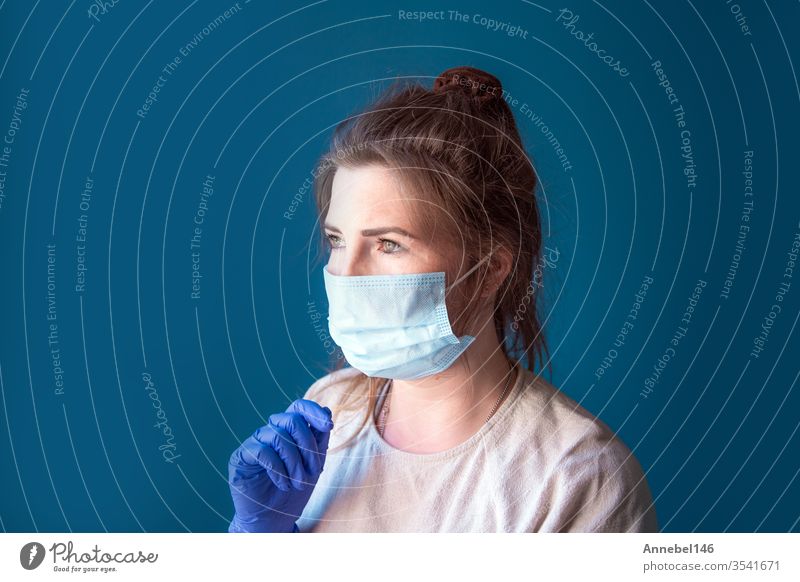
(371, 231)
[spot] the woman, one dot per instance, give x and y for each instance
(428, 208)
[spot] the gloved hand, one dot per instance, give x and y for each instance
(273, 473)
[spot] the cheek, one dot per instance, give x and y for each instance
(460, 307)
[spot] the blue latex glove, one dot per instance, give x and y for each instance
(273, 473)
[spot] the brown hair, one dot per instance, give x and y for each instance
(457, 146)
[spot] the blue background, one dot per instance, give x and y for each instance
(253, 104)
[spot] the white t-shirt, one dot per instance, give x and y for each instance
(542, 463)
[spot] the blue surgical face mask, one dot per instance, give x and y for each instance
(394, 326)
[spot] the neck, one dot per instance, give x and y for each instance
(438, 412)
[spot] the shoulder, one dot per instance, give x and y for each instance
(592, 481)
(344, 392)
(555, 422)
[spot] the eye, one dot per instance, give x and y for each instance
(333, 240)
(389, 247)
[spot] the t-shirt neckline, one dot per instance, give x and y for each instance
(500, 414)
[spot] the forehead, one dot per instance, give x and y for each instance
(369, 193)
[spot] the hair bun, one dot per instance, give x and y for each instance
(470, 81)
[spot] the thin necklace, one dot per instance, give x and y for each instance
(385, 408)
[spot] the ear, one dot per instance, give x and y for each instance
(500, 266)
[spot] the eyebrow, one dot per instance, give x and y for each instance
(376, 231)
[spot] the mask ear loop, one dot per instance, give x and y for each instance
(468, 273)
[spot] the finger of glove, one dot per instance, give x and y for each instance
(317, 416)
(322, 443)
(285, 446)
(295, 424)
(320, 418)
(254, 456)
